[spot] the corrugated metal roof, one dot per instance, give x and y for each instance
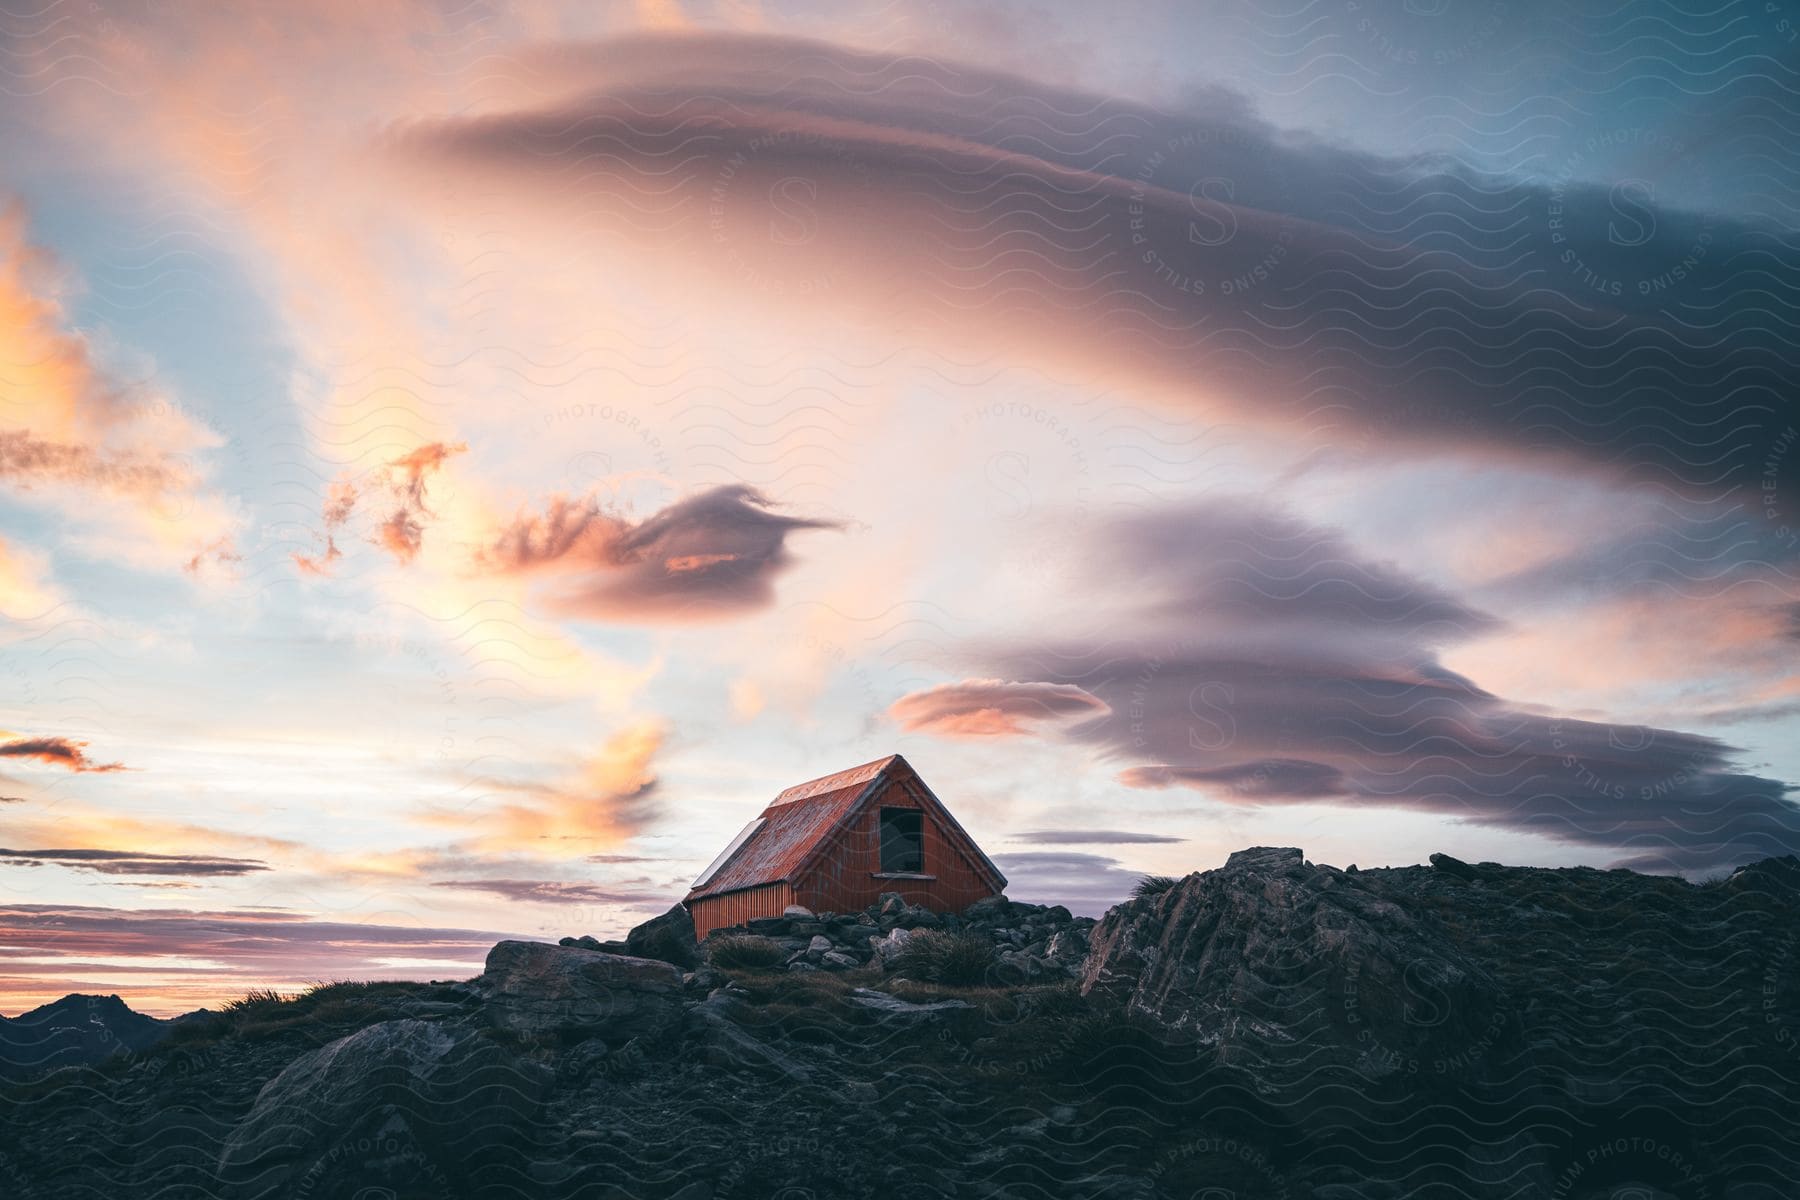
(798, 820)
(831, 783)
(790, 829)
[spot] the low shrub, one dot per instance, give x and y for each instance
(745, 952)
(937, 956)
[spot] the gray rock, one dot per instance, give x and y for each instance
(398, 1105)
(798, 910)
(820, 944)
(989, 909)
(840, 960)
(893, 1008)
(669, 938)
(728, 1044)
(533, 989)
(888, 948)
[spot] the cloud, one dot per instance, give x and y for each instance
(25, 460)
(399, 488)
(991, 707)
(1262, 661)
(610, 797)
(1263, 779)
(711, 555)
(1092, 837)
(131, 862)
(180, 958)
(1087, 884)
(26, 591)
(547, 891)
(1361, 305)
(57, 751)
(112, 456)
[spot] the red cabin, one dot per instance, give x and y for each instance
(835, 843)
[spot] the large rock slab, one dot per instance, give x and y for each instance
(1286, 968)
(412, 1107)
(534, 989)
(669, 938)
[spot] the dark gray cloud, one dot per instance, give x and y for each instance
(133, 862)
(1092, 837)
(1087, 884)
(714, 554)
(1262, 662)
(1368, 305)
(57, 751)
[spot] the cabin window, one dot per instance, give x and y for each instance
(902, 841)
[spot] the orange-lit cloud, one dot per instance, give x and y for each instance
(609, 798)
(401, 485)
(114, 458)
(992, 708)
(25, 589)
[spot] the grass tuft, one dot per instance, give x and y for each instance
(745, 952)
(1153, 885)
(936, 956)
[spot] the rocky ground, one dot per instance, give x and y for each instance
(1273, 1028)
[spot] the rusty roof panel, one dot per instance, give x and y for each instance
(831, 783)
(790, 829)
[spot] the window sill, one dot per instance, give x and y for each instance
(900, 875)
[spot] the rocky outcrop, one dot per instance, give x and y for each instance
(1283, 967)
(1269, 1028)
(533, 989)
(1027, 941)
(393, 1106)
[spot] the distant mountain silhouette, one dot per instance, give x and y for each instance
(74, 1030)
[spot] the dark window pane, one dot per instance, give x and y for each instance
(902, 840)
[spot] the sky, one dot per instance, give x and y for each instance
(458, 461)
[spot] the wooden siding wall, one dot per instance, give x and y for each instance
(843, 879)
(734, 908)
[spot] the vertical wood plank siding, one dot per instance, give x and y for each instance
(844, 878)
(734, 908)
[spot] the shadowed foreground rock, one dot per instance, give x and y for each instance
(1268, 1029)
(1286, 969)
(390, 1106)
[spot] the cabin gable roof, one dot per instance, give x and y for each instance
(801, 824)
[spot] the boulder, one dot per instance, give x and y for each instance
(798, 910)
(533, 989)
(989, 910)
(407, 1107)
(669, 938)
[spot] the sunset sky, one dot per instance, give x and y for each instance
(459, 461)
